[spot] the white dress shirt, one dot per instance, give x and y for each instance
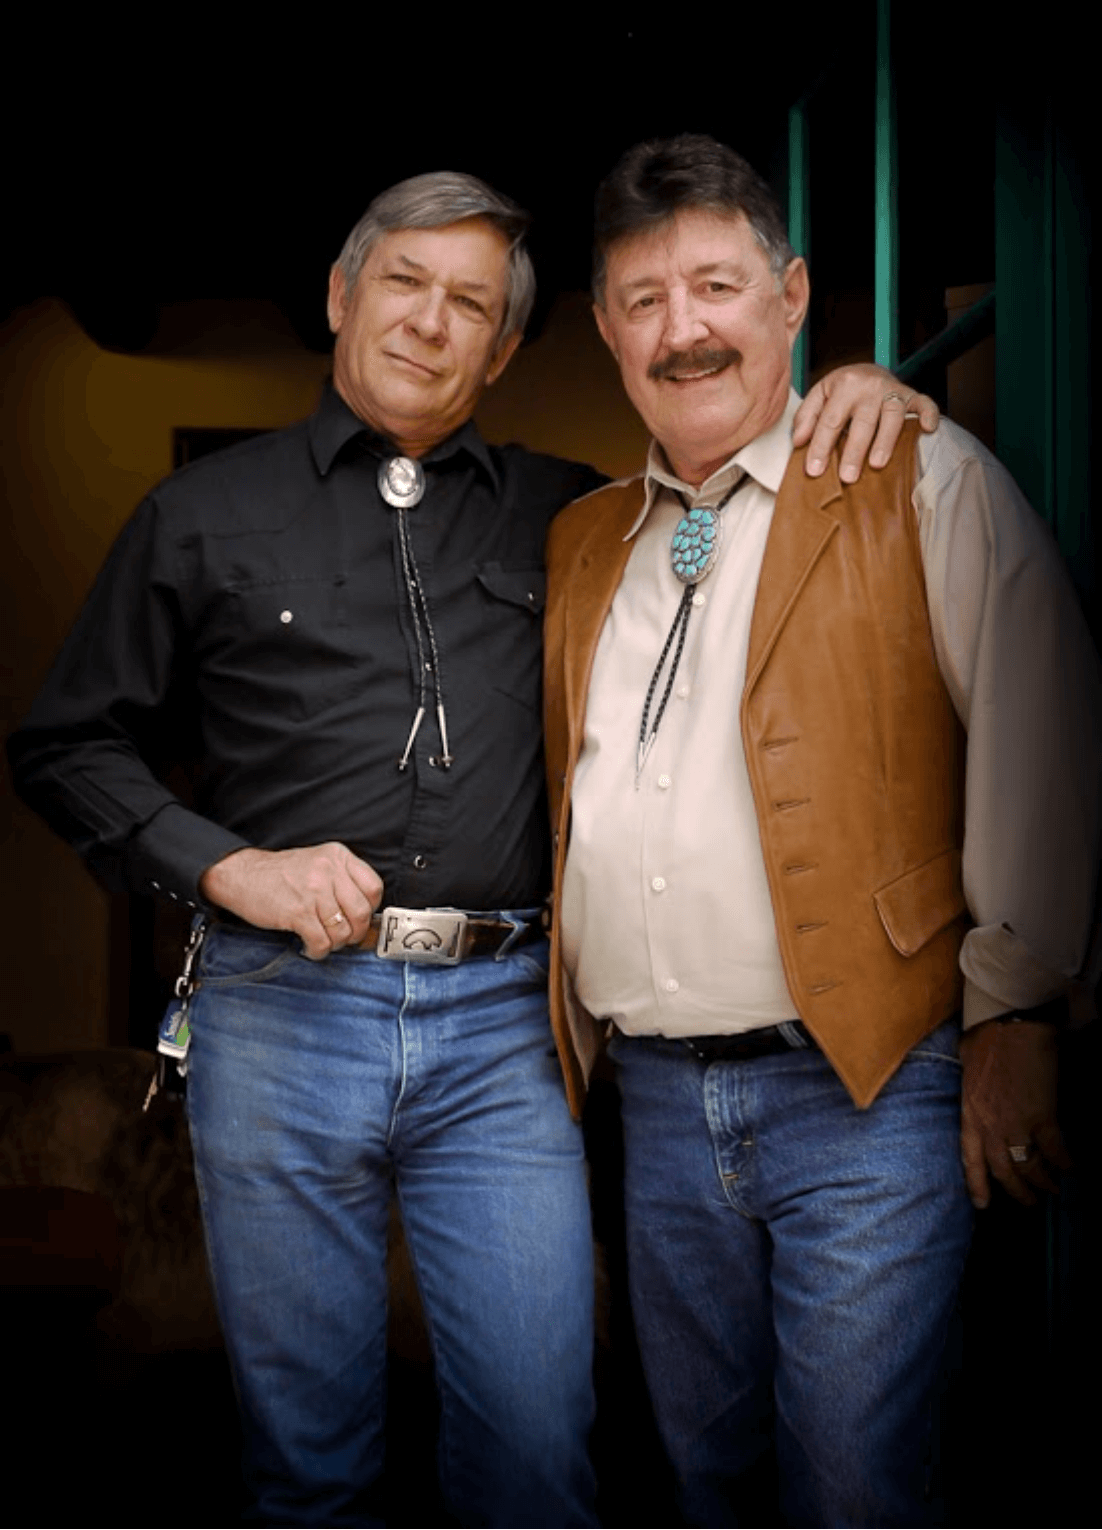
(667, 919)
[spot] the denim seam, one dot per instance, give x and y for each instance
(443, 1442)
(212, 1262)
(254, 975)
(400, 1096)
(537, 973)
(711, 1101)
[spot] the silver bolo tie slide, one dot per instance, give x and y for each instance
(401, 483)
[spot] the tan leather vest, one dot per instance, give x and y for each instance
(854, 752)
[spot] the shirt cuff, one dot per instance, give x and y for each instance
(979, 1006)
(1002, 974)
(170, 853)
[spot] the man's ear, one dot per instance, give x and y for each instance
(605, 328)
(796, 290)
(337, 305)
(502, 357)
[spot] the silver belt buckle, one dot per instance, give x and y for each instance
(435, 936)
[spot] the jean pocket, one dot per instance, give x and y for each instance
(233, 956)
(535, 961)
(941, 1045)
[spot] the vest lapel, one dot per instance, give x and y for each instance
(801, 528)
(601, 561)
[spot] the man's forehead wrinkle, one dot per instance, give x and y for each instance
(732, 265)
(467, 283)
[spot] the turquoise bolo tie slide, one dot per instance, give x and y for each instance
(695, 545)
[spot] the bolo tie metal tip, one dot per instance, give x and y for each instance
(404, 761)
(444, 759)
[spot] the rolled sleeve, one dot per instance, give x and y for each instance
(1019, 664)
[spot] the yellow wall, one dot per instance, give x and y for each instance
(85, 433)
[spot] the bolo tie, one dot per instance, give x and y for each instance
(694, 550)
(402, 484)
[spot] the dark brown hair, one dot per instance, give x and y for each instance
(655, 180)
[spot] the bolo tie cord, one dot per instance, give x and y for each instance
(648, 731)
(401, 483)
(426, 664)
(691, 565)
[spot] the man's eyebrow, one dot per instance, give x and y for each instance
(463, 286)
(732, 266)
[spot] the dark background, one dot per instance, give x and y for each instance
(231, 165)
(179, 157)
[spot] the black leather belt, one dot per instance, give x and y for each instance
(789, 1036)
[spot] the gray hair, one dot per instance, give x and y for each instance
(434, 201)
(656, 180)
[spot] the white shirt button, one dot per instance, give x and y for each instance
(682, 693)
(285, 617)
(671, 985)
(664, 782)
(699, 599)
(658, 883)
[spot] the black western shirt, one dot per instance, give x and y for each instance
(253, 618)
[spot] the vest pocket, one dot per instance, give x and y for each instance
(913, 908)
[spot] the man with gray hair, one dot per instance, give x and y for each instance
(343, 621)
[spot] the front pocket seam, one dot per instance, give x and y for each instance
(256, 975)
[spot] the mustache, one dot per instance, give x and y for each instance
(703, 359)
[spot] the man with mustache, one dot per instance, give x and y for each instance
(343, 621)
(757, 687)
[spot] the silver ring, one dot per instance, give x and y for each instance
(1020, 1152)
(335, 919)
(893, 394)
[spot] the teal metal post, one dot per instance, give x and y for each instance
(887, 219)
(1071, 365)
(1024, 307)
(799, 220)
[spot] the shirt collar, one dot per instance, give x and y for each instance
(333, 425)
(765, 459)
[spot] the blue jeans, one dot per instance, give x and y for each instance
(314, 1087)
(793, 1264)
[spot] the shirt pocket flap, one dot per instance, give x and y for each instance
(921, 902)
(525, 587)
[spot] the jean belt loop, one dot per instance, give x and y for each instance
(520, 919)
